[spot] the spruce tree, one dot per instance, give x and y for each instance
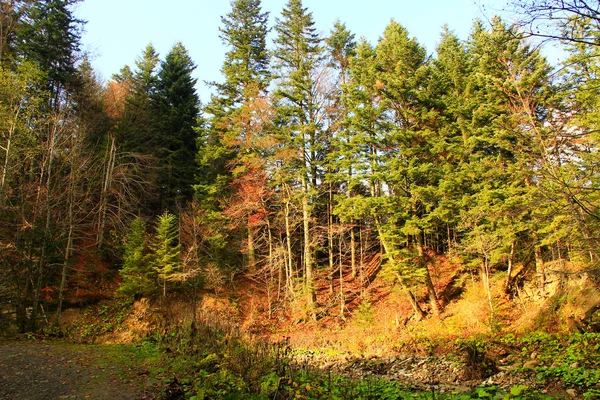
(176, 110)
(165, 248)
(506, 88)
(136, 275)
(298, 56)
(223, 145)
(49, 35)
(244, 31)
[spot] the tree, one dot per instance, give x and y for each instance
(49, 36)
(341, 46)
(165, 249)
(572, 21)
(135, 132)
(232, 130)
(507, 93)
(136, 274)
(298, 58)
(10, 19)
(244, 31)
(176, 107)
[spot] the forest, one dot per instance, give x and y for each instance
(324, 174)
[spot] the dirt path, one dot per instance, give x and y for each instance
(33, 370)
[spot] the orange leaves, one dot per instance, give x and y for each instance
(249, 126)
(250, 194)
(114, 99)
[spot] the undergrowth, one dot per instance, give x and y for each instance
(99, 320)
(571, 361)
(211, 360)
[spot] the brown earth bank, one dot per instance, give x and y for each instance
(34, 370)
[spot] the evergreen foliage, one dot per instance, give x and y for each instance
(176, 112)
(49, 36)
(246, 75)
(315, 157)
(164, 259)
(137, 277)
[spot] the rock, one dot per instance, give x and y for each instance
(574, 365)
(571, 392)
(533, 355)
(531, 364)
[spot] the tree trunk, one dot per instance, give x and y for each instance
(409, 294)
(288, 239)
(330, 237)
(251, 250)
(37, 288)
(486, 283)
(342, 298)
(353, 251)
(433, 299)
(311, 296)
(507, 282)
(539, 268)
(419, 314)
(69, 245)
(11, 130)
(110, 158)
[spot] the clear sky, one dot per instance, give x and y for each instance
(118, 30)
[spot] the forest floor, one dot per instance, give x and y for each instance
(32, 370)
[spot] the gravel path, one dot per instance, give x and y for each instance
(36, 371)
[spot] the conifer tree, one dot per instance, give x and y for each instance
(341, 47)
(10, 18)
(135, 132)
(165, 250)
(223, 143)
(136, 274)
(298, 56)
(448, 98)
(244, 31)
(176, 112)
(577, 181)
(49, 35)
(501, 148)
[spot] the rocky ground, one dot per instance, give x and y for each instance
(439, 374)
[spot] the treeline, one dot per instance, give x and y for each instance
(312, 158)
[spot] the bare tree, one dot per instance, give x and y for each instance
(575, 21)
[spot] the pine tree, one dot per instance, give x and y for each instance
(49, 35)
(135, 132)
(341, 47)
(244, 31)
(165, 250)
(501, 148)
(136, 275)
(298, 56)
(10, 18)
(578, 180)
(447, 95)
(226, 142)
(176, 111)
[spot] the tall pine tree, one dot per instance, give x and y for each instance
(176, 112)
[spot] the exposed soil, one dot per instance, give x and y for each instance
(38, 370)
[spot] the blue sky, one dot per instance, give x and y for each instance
(118, 30)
